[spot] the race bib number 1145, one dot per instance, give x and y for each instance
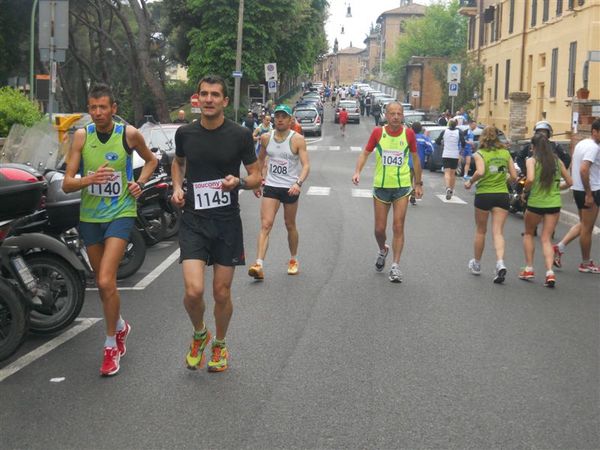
(208, 194)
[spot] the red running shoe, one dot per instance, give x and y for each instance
(550, 281)
(526, 275)
(557, 255)
(589, 268)
(121, 337)
(110, 365)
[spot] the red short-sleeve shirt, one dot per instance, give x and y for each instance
(378, 131)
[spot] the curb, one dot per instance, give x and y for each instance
(569, 218)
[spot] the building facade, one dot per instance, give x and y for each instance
(423, 90)
(533, 53)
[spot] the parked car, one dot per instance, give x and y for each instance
(352, 108)
(311, 101)
(435, 160)
(309, 118)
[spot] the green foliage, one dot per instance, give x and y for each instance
(16, 108)
(14, 37)
(441, 32)
(289, 33)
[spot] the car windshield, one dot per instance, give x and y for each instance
(347, 105)
(305, 113)
(157, 136)
(434, 134)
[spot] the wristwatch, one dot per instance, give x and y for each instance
(242, 183)
(420, 183)
(299, 182)
(141, 185)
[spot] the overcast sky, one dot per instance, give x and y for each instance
(364, 12)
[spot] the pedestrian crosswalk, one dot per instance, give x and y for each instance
(332, 148)
(323, 191)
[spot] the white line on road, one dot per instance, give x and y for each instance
(30, 357)
(366, 193)
(356, 149)
(318, 190)
(334, 148)
(311, 148)
(454, 199)
(144, 282)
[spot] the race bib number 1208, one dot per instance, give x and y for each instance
(208, 194)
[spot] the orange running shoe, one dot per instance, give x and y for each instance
(256, 271)
(293, 267)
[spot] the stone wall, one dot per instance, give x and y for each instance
(517, 129)
(585, 109)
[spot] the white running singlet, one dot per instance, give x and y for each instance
(451, 144)
(284, 166)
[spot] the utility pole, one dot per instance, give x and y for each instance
(238, 60)
(31, 48)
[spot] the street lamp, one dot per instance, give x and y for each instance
(238, 60)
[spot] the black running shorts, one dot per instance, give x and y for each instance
(450, 163)
(279, 193)
(543, 211)
(215, 241)
(489, 201)
(579, 197)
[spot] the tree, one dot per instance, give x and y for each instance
(16, 108)
(442, 31)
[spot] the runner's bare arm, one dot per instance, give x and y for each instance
(362, 159)
(418, 174)
(564, 172)
(72, 184)
(512, 172)
(252, 181)
(137, 142)
(177, 174)
(479, 171)
(299, 144)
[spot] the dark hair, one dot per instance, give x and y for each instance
(417, 127)
(452, 124)
(596, 125)
(545, 156)
(99, 90)
(213, 79)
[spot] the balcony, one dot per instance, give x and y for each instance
(468, 8)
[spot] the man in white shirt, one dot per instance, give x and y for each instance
(585, 170)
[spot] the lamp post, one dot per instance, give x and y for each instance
(31, 47)
(238, 60)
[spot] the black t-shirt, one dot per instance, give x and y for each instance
(211, 155)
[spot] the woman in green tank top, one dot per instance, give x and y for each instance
(493, 164)
(543, 185)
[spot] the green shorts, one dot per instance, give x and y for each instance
(390, 195)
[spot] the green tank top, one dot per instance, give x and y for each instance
(542, 198)
(391, 165)
(106, 202)
(496, 162)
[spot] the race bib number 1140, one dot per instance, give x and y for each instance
(208, 194)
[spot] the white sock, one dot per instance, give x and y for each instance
(259, 262)
(561, 247)
(120, 324)
(500, 263)
(528, 269)
(111, 341)
(395, 265)
(549, 272)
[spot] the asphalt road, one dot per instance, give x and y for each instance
(336, 357)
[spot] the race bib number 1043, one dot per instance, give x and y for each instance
(208, 194)
(392, 158)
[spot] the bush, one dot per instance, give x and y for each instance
(16, 108)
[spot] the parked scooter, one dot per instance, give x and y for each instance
(17, 296)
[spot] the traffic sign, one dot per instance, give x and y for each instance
(271, 71)
(272, 86)
(236, 74)
(454, 73)
(195, 101)
(452, 89)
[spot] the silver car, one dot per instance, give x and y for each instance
(352, 108)
(309, 119)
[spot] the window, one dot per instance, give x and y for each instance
(507, 79)
(472, 24)
(553, 68)
(545, 10)
(511, 17)
(533, 13)
(542, 60)
(496, 84)
(559, 7)
(572, 62)
(570, 4)
(498, 21)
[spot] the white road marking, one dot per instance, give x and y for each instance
(144, 282)
(334, 148)
(318, 190)
(311, 148)
(356, 149)
(454, 199)
(365, 193)
(313, 140)
(57, 380)
(30, 357)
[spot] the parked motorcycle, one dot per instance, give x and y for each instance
(517, 203)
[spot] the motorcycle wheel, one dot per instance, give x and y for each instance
(155, 231)
(61, 291)
(13, 321)
(173, 221)
(134, 256)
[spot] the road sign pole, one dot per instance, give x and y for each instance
(452, 107)
(238, 60)
(51, 63)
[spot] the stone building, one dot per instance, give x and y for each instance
(534, 54)
(423, 90)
